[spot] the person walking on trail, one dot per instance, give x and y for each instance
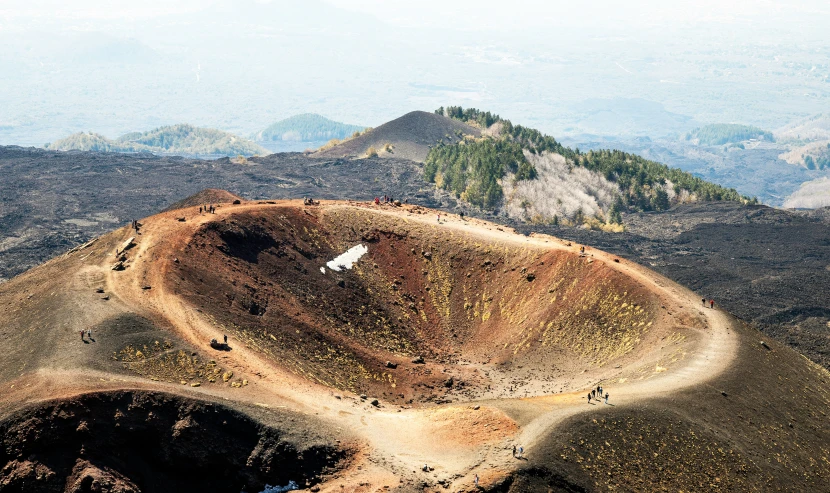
(89, 334)
(606, 397)
(226, 338)
(476, 480)
(704, 302)
(439, 218)
(82, 334)
(521, 451)
(589, 401)
(712, 304)
(582, 249)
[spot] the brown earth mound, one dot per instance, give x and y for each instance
(410, 136)
(418, 366)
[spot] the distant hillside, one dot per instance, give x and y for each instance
(175, 139)
(83, 141)
(727, 133)
(535, 178)
(409, 137)
(815, 155)
(814, 128)
(307, 127)
(811, 195)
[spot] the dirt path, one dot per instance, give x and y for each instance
(397, 440)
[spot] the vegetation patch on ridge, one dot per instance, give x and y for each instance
(507, 158)
(174, 139)
(727, 133)
(307, 127)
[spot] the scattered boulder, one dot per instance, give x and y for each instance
(237, 202)
(181, 219)
(375, 403)
(765, 345)
(448, 382)
(530, 277)
(419, 360)
(126, 245)
(118, 266)
(391, 365)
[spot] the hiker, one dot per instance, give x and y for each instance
(82, 334)
(200, 209)
(593, 392)
(461, 214)
(89, 333)
(712, 304)
(514, 451)
(476, 480)
(606, 397)
(599, 391)
(439, 218)
(582, 249)
(589, 397)
(521, 451)
(377, 201)
(704, 302)
(226, 338)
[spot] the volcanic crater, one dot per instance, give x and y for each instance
(432, 312)
(375, 347)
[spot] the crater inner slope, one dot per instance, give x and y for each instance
(431, 313)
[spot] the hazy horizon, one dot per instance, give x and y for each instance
(638, 69)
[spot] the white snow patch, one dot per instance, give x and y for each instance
(348, 259)
(323, 270)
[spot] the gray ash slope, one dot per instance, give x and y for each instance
(767, 266)
(52, 201)
(411, 137)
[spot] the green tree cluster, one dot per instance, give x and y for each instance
(174, 139)
(822, 161)
(472, 170)
(727, 133)
(642, 182)
(307, 127)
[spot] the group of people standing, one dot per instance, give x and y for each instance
(711, 303)
(386, 199)
(596, 394)
(207, 208)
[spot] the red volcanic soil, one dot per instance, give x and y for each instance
(447, 344)
(478, 313)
